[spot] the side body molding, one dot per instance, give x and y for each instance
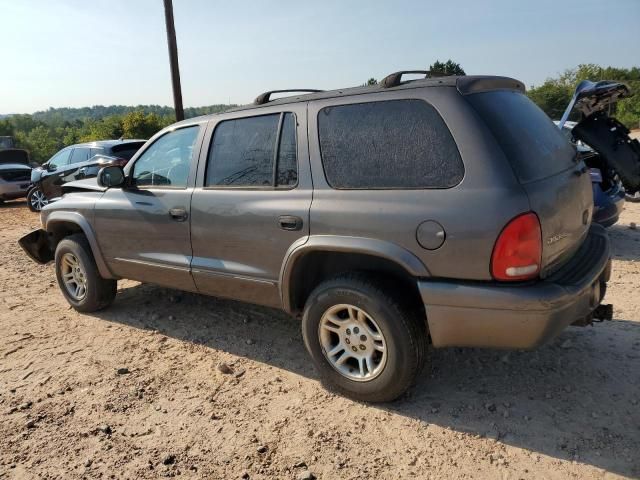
(335, 243)
(79, 220)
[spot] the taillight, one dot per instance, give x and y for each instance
(517, 253)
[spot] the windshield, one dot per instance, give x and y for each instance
(534, 146)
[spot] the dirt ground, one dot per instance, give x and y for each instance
(135, 392)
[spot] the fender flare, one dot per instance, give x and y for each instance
(335, 243)
(79, 220)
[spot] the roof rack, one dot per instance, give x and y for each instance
(395, 79)
(264, 97)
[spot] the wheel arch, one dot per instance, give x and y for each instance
(325, 256)
(61, 224)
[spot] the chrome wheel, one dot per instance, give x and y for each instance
(38, 200)
(73, 276)
(352, 342)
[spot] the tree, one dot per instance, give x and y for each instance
(447, 68)
(138, 125)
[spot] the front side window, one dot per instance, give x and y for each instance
(393, 144)
(167, 162)
(60, 159)
(79, 155)
(245, 152)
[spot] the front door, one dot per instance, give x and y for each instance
(143, 229)
(251, 203)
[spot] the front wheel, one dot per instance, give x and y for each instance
(364, 340)
(78, 276)
(36, 199)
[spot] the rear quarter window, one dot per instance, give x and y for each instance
(393, 144)
(533, 144)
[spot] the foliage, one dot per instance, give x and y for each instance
(446, 68)
(554, 94)
(44, 133)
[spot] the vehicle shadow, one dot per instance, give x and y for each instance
(567, 400)
(9, 204)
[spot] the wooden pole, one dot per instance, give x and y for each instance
(173, 59)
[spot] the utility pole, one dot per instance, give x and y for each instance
(173, 59)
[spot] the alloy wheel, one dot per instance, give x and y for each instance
(38, 200)
(73, 276)
(352, 342)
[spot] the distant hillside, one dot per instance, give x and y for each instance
(97, 112)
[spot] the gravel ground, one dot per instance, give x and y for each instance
(139, 391)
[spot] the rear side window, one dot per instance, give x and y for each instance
(126, 151)
(79, 155)
(394, 144)
(535, 147)
(248, 152)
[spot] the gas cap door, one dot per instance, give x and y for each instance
(430, 235)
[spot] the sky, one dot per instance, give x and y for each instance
(74, 53)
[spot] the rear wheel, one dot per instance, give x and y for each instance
(365, 342)
(78, 276)
(634, 198)
(36, 199)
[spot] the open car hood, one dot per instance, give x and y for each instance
(14, 155)
(605, 134)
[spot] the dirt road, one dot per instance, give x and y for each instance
(135, 392)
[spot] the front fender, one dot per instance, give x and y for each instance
(56, 218)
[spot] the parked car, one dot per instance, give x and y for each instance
(76, 162)
(617, 154)
(15, 174)
(448, 211)
(7, 142)
(608, 192)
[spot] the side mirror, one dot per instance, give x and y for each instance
(50, 167)
(112, 176)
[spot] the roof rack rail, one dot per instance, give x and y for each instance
(264, 97)
(395, 79)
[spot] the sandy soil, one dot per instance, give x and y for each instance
(567, 410)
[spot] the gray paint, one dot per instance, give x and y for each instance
(232, 244)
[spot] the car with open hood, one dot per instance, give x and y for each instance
(15, 174)
(604, 143)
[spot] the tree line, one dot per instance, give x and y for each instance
(44, 133)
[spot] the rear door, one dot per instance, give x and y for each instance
(251, 203)
(545, 162)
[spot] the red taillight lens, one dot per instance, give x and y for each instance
(517, 253)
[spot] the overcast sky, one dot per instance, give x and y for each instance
(72, 53)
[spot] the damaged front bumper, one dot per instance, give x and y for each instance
(37, 246)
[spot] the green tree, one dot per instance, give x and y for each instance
(446, 68)
(138, 125)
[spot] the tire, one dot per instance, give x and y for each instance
(401, 331)
(85, 290)
(36, 199)
(635, 198)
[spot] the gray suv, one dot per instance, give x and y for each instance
(445, 211)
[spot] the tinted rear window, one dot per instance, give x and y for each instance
(126, 151)
(392, 144)
(535, 146)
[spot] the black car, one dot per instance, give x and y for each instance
(76, 162)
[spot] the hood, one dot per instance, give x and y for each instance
(603, 133)
(84, 185)
(14, 155)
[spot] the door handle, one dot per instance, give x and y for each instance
(178, 214)
(290, 222)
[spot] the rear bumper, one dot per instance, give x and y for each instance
(478, 314)
(11, 190)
